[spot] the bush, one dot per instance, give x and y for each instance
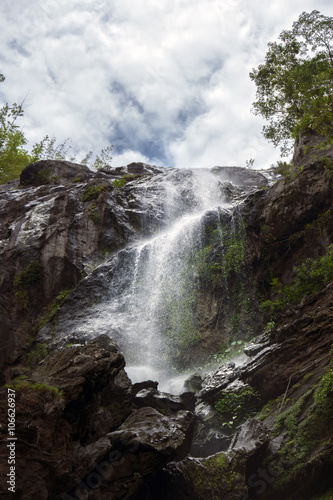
(31, 275)
(311, 276)
(235, 407)
(119, 183)
(93, 192)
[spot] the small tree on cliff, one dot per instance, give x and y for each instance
(295, 84)
(13, 155)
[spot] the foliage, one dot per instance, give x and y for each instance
(20, 385)
(119, 183)
(93, 192)
(325, 389)
(39, 352)
(102, 159)
(236, 406)
(294, 85)
(31, 275)
(13, 153)
(60, 299)
(215, 476)
(13, 157)
(93, 214)
(308, 427)
(215, 266)
(311, 276)
(284, 168)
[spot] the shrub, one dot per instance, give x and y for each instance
(236, 406)
(93, 192)
(311, 276)
(119, 183)
(31, 275)
(37, 354)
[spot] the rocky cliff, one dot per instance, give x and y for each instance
(250, 328)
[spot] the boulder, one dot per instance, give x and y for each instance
(53, 172)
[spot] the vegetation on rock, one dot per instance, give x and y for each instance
(14, 155)
(310, 276)
(294, 85)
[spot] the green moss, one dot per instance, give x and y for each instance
(308, 426)
(76, 179)
(39, 352)
(289, 418)
(31, 275)
(20, 385)
(60, 299)
(93, 214)
(236, 406)
(214, 476)
(93, 192)
(231, 258)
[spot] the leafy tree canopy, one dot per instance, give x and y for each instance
(295, 83)
(14, 156)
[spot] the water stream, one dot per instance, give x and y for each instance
(154, 314)
(147, 291)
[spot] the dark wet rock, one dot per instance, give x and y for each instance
(94, 423)
(257, 345)
(218, 476)
(194, 382)
(147, 384)
(164, 401)
(208, 441)
(53, 172)
(76, 416)
(214, 383)
(252, 436)
(243, 177)
(148, 429)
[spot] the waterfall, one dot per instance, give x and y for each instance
(144, 296)
(155, 313)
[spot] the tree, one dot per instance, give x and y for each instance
(14, 157)
(295, 84)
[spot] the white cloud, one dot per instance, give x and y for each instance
(164, 82)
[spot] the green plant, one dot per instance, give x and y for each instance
(310, 276)
(13, 153)
(39, 352)
(284, 168)
(93, 214)
(307, 426)
(31, 275)
(235, 407)
(119, 183)
(60, 299)
(294, 88)
(20, 385)
(325, 390)
(269, 326)
(93, 192)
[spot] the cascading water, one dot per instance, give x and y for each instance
(146, 292)
(154, 313)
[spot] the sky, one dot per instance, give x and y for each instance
(165, 82)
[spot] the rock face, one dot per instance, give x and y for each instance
(76, 418)
(256, 427)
